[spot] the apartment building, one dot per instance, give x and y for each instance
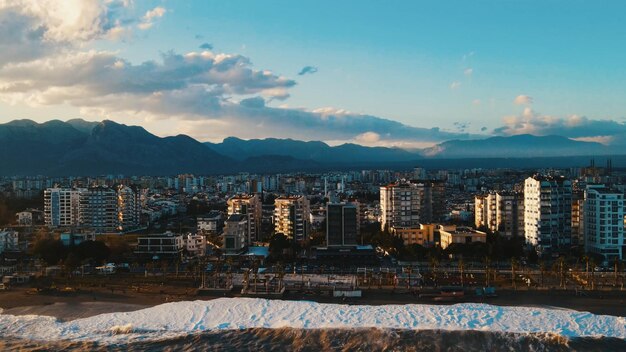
(342, 224)
(548, 213)
(251, 207)
(604, 222)
(291, 217)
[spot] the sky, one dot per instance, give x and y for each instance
(394, 73)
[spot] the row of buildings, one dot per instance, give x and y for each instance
(101, 209)
(290, 215)
(553, 217)
(409, 203)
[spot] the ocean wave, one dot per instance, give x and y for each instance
(364, 339)
(175, 319)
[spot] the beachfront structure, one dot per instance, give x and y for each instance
(159, 246)
(548, 213)
(604, 222)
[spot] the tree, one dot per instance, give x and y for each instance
(95, 251)
(49, 250)
(513, 267)
(542, 269)
(462, 271)
(72, 261)
(278, 244)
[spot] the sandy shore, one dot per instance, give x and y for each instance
(74, 310)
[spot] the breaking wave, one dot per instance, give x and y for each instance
(366, 339)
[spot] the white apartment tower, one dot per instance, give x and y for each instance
(604, 222)
(485, 211)
(101, 209)
(548, 213)
(399, 206)
(61, 207)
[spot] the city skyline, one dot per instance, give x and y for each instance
(407, 74)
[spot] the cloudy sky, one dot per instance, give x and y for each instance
(403, 73)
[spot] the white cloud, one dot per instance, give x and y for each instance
(476, 102)
(51, 64)
(148, 19)
(606, 140)
(455, 85)
(573, 126)
(523, 100)
(35, 29)
(156, 12)
(368, 138)
(468, 71)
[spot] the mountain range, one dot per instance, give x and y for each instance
(79, 147)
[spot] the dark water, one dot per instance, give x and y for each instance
(337, 340)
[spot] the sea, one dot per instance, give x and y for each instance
(362, 339)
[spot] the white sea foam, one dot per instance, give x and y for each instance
(178, 318)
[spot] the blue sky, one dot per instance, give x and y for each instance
(455, 65)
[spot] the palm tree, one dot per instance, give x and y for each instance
(255, 268)
(433, 264)
(487, 262)
(409, 270)
(513, 267)
(561, 268)
(462, 271)
(542, 269)
(586, 259)
(592, 263)
(616, 266)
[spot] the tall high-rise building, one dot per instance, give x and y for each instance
(102, 209)
(61, 207)
(510, 213)
(399, 206)
(99, 209)
(604, 222)
(291, 217)
(342, 224)
(578, 227)
(548, 213)
(406, 204)
(485, 211)
(128, 208)
(432, 203)
(250, 206)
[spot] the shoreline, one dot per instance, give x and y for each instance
(81, 304)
